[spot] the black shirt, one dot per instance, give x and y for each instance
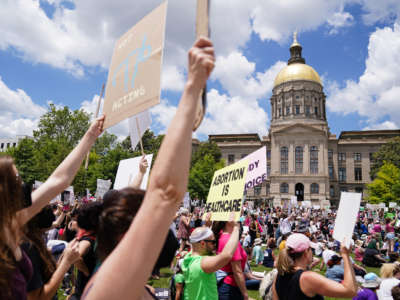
(288, 287)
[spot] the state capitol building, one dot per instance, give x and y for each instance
(303, 157)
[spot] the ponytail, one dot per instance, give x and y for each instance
(286, 260)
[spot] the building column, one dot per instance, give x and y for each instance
(306, 160)
(291, 159)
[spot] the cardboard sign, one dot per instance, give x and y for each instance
(138, 124)
(134, 77)
(127, 171)
(392, 204)
(226, 191)
(346, 217)
(186, 201)
(102, 187)
(293, 201)
(257, 171)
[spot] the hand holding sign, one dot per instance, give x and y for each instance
(96, 128)
(143, 165)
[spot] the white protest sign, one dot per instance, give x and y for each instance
(257, 171)
(138, 124)
(385, 209)
(326, 204)
(306, 204)
(250, 205)
(293, 201)
(346, 217)
(102, 187)
(134, 77)
(127, 171)
(277, 202)
(381, 205)
(392, 204)
(316, 207)
(68, 197)
(186, 201)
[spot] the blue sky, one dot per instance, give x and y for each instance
(59, 51)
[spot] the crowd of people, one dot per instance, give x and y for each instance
(109, 248)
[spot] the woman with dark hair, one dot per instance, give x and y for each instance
(295, 281)
(269, 256)
(47, 276)
(335, 270)
(372, 257)
(234, 284)
(18, 206)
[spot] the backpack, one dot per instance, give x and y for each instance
(172, 288)
(266, 285)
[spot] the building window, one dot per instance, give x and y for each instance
(316, 110)
(14, 144)
(314, 160)
(342, 156)
(284, 188)
(243, 155)
(268, 169)
(331, 191)
(257, 190)
(357, 156)
(287, 110)
(357, 174)
(307, 110)
(280, 111)
(314, 188)
(330, 169)
(284, 160)
(342, 174)
(269, 154)
(297, 97)
(267, 189)
(330, 154)
(297, 109)
(231, 158)
(8, 145)
(2, 145)
(343, 189)
(359, 190)
(299, 160)
(371, 156)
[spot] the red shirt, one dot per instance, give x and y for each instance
(239, 255)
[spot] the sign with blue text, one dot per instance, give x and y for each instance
(134, 77)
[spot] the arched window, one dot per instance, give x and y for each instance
(299, 160)
(314, 188)
(284, 188)
(284, 160)
(314, 160)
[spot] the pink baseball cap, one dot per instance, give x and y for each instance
(298, 242)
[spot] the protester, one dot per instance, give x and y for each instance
(335, 270)
(184, 228)
(166, 189)
(372, 257)
(269, 256)
(370, 285)
(199, 267)
(257, 254)
(388, 282)
(18, 206)
(295, 282)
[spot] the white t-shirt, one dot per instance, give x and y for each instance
(327, 254)
(285, 226)
(385, 289)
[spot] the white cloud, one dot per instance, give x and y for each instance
(237, 75)
(172, 78)
(162, 115)
(19, 114)
(382, 126)
(383, 10)
(375, 94)
(232, 115)
(339, 20)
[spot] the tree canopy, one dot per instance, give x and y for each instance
(389, 152)
(386, 186)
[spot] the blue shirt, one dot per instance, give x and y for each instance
(335, 273)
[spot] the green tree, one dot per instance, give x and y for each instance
(389, 152)
(386, 186)
(24, 159)
(205, 161)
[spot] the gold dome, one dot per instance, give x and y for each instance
(297, 71)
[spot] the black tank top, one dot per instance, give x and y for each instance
(288, 287)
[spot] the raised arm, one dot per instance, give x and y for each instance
(62, 177)
(137, 181)
(167, 186)
(210, 264)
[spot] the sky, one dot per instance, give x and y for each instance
(58, 51)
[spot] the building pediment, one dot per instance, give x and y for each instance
(299, 129)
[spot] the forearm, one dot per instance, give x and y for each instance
(51, 287)
(241, 282)
(137, 181)
(349, 280)
(59, 220)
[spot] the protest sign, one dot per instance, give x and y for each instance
(127, 171)
(385, 209)
(102, 187)
(138, 124)
(293, 201)
(134, 77)
(186, 201)
(277, 203)
(316, 207)
(392, 204)
(306, 204)
(326, 204)
(346, 217)
(226, 191)
(381, 205)
(67, 196)
(257, 171)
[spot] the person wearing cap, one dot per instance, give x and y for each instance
(295, 281)
(257, 254)
(370, 284)
(199, 266)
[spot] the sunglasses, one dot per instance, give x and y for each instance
(211, 241)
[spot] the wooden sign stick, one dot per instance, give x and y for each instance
(202, 29)
(97, 114)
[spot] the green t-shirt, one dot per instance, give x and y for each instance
(198, 284)
(179, 278)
